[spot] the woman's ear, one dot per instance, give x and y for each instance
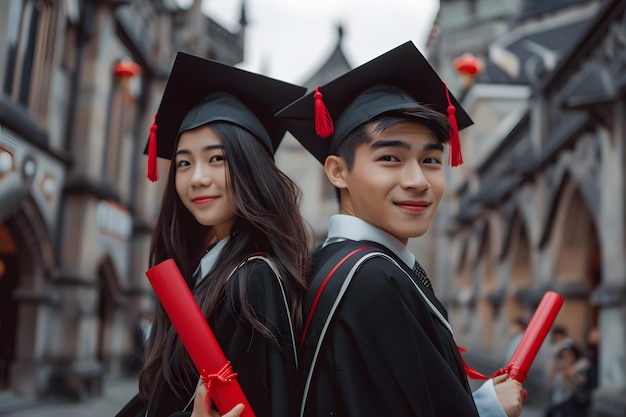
(336, 170)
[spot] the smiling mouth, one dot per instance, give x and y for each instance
(413, 206)
(202, 200)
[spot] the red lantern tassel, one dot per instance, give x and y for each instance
(323, 122)
(455, 156)
(153, 168)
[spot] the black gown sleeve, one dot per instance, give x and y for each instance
(386, 354)
(266, 370)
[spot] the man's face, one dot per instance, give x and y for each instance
(397, 180)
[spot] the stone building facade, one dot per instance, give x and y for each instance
(75, 207)
(539, 204)
(318, 200)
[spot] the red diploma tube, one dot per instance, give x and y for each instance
(195, 333)
(533, 337)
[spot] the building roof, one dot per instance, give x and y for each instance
(535, 8)
(335, 65)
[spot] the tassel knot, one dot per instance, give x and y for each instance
(223, 376)
(511, 371)
(324, 126)
(153, 169)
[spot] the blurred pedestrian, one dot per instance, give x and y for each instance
(558, 336)
(516, 331)
(570, 395)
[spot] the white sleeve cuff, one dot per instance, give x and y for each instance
(487, 401)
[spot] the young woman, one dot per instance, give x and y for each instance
(230, 220)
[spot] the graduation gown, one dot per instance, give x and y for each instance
(385, 353)
(266, 372)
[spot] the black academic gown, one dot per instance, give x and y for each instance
(266, 372)
(385, 352)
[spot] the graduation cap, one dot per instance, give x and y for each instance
(400, 78)
(201, 90)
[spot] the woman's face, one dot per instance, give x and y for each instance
(201, 179)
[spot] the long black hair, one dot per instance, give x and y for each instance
(268, 220)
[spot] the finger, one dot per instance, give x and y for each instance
(235, 412)
(500, 378)
(199, 403)
(200, 394)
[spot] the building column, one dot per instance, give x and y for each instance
(31, 368)
(78, 372)
(610, 398)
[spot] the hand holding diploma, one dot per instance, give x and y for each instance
(200, 409)
(533, 337)
(508, 380)
(196, 335)
(510, 393)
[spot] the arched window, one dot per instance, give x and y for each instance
(30, 43)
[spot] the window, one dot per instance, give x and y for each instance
(63, 88)
(30, 38)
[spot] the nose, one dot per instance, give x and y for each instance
(200, 176)
(413, 177)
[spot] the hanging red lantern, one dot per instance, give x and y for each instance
(126, 68)
(468, 67)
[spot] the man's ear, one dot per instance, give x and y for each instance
(336, 169)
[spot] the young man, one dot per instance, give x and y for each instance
(377, 339)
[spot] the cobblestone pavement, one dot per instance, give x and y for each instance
(115, 394)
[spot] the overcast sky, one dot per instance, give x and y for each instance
(289, 39)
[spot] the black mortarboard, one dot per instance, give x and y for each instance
(400, 78)
(200, 91)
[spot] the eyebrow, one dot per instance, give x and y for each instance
(385, 143)
(206, 148)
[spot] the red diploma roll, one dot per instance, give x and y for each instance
(196, 335)
(533, 337)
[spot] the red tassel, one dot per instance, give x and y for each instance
(472, 373)
(323, 122)
(153, 168)
(469, 371)
(455, 157)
